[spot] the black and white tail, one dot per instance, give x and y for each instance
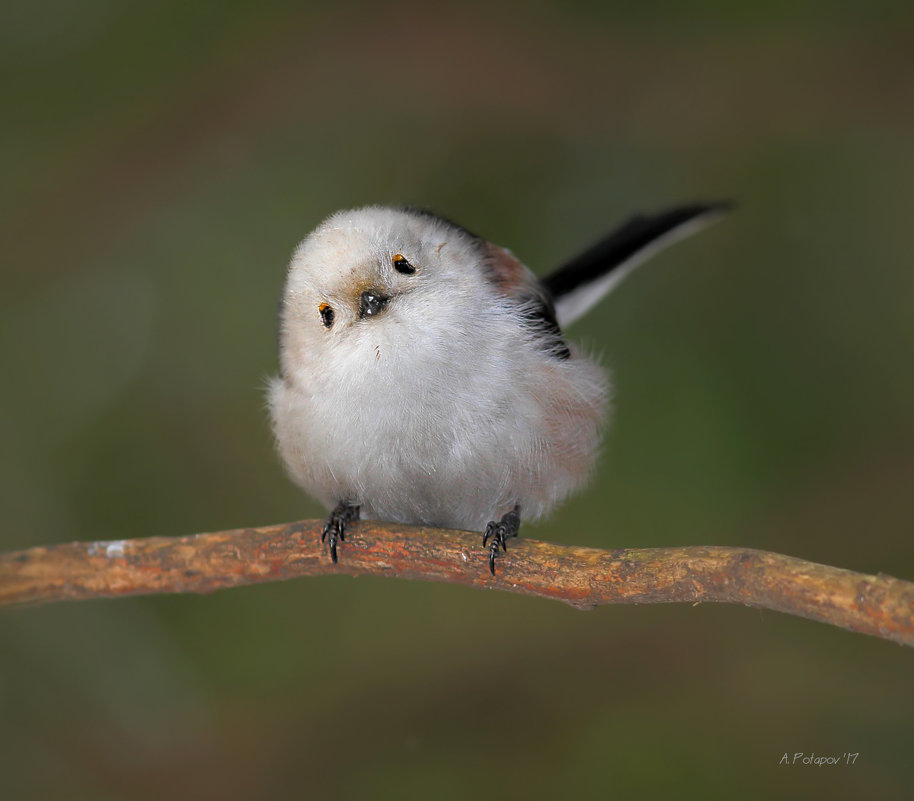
(581, 283)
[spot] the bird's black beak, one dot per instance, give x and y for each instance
(371, 303)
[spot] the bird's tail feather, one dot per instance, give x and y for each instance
(582, 282)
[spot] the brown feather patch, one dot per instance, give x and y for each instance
(504, 270)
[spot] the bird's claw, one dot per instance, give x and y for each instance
(497, 532)
(336, 533)
(335, 528)
(500, 532)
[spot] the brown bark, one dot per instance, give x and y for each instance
(583, 577)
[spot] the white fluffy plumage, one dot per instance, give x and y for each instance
(442, 410)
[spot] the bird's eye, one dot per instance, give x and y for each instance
(401, 265)
(327, 315)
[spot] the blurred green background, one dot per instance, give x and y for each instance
(161, 161)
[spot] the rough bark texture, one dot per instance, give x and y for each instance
(583, 577)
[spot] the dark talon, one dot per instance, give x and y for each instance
(500, 533)
(335, 527)
(490, 532)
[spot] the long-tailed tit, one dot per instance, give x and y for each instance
(424, 374)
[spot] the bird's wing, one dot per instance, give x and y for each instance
(532, 302)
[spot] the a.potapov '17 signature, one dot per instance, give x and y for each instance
(799, 758)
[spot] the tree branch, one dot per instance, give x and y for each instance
(583, 577)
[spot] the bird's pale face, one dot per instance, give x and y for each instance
(373, 278)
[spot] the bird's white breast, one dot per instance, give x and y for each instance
(444, 424)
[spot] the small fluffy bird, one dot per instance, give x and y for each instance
(425, 377)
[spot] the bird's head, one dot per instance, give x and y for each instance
(372, 279)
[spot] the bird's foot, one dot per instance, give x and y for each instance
(335, 527)
(499, 532)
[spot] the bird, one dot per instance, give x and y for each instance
(425, 376)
